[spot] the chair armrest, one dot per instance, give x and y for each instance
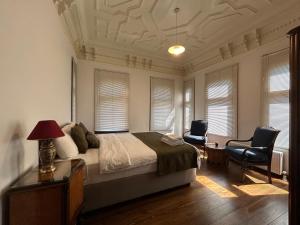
(244, 152)
(261, 149)
(238, 141)
(255, 149)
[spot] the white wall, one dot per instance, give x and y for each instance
(35, 71)
(249, 88)
(139, 95)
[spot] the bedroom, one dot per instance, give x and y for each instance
(40, 38)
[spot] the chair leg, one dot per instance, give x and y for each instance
(242, 174)
(243, 170)
(269, 174)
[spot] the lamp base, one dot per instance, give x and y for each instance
(47, 154)
(47, 169)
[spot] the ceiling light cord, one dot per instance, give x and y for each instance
(176, 11)
(176, 49)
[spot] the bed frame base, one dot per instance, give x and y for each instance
(108, 193)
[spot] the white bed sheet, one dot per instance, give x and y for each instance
(92, 169)
(123, 151)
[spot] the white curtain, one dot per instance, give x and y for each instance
(162, 105)
(111, 101)
(188, 103)
(275, 95)
(221, 101)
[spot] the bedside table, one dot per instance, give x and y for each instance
(215, 154)
(47, 199)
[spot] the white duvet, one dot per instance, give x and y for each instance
(123, 151)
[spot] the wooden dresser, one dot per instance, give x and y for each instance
(47, 199)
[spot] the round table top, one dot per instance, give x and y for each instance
(214, 146)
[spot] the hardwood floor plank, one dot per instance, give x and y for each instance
(281, 220)
(215, 198)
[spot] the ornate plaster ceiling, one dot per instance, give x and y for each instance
(139, 32)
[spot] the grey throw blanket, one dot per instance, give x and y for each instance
(170, 159)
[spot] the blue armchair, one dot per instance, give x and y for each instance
(197, 134)
(258, 153)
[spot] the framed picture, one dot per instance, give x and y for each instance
(73, 90)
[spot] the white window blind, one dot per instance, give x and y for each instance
(188, 103)
(111, 101)
(221, 101)
(162, 105)
(276, 86)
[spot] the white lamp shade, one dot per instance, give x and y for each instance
(176, 49)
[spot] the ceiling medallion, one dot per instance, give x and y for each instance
(176, 49)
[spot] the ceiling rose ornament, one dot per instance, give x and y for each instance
(176, 49)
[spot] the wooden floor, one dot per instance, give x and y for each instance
(215, 198)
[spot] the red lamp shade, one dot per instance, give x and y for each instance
(46, 129)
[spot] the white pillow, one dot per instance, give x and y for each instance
(67, 128)
(65, 146)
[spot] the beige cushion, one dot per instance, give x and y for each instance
(65, 146)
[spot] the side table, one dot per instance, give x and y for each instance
(215, 154)
(48, 199)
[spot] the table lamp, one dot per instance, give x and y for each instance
(45, 131)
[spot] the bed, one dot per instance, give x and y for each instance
(128, 166)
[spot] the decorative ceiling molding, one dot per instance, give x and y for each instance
(240, 45)
(137, 33)
(110, 53)
(62, 5)
(128, 60)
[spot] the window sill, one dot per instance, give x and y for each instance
(108, 132)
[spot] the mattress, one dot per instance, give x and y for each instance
(92, 169)
(123, 151)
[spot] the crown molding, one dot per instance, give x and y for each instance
(62, 5)
(111, 53)
(266, 29)
(269, 31)
(128, 60)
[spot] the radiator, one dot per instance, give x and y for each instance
(277, 163)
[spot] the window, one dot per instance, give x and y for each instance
(162, 105)
(188, 103)
(221, 101)
(276, 107)
(111, 101)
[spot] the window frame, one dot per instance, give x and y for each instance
(268, 97)
(95, 100)
(192, 103)
(232, 97)
(152, 78)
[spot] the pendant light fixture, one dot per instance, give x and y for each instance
(176, 49)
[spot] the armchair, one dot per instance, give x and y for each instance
(258, 153)
(197, 134)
